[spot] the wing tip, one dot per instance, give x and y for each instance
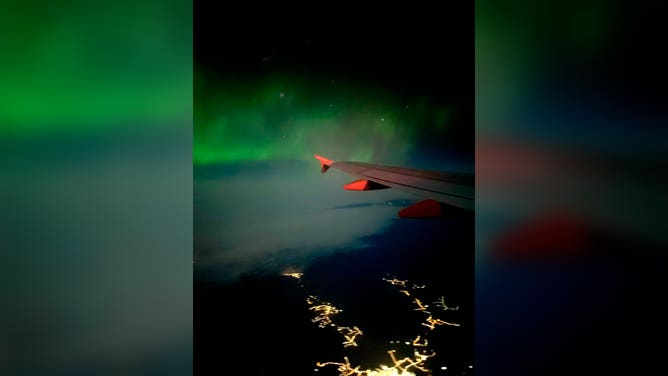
(324, 161)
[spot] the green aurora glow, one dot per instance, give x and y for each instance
(293, 118)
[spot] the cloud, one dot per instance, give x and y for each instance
(269, 218)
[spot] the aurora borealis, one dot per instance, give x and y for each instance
(382, 95)
(290, 118)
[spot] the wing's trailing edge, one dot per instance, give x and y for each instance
(437, 187)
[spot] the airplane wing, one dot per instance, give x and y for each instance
(438, 188)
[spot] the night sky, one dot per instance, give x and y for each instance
(270, 91)
(376, 87)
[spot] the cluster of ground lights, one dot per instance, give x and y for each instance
(325, 317)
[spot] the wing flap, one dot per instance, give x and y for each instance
(364, 185)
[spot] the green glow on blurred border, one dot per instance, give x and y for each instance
(71, 65)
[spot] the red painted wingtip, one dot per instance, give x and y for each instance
(324, 161)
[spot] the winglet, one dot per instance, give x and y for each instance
(324, 163)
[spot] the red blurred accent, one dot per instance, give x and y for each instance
(556, 236)
(423, 209)
(357, 185)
